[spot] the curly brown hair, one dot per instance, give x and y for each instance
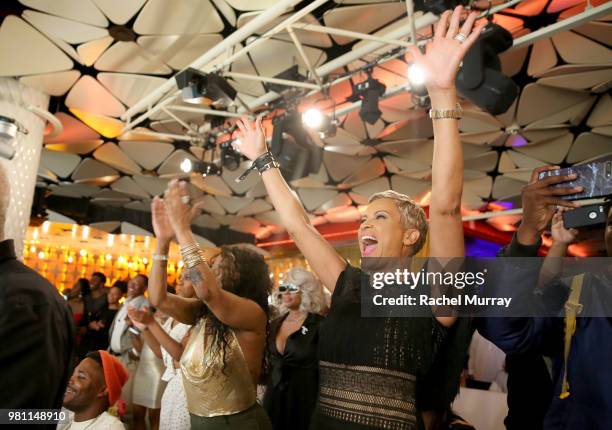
(244, 273)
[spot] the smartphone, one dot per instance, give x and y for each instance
(594, 178)
(585, 216)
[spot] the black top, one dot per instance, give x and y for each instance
(378, 372)
(94, 340)
(36, 337)
(292, 389)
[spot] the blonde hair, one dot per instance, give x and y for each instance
(413, 215)
(310, 287)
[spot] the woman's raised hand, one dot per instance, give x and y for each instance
(178, 209)
(445, 52)
(161, 225)
(252, 138)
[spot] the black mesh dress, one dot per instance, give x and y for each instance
(377, 372)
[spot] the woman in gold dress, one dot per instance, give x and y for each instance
(224, 355)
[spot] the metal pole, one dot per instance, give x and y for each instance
(286, 82)
(348, 33)
(300, 49)
(278, 8)
(567, 24)
(203, 110)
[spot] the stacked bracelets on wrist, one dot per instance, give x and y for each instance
(192, 255)
(265, 161)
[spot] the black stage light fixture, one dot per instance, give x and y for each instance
(205, 168)
(202, 88)
(316, 120)
(230, 158)
(291, 74)
(294, 148)
(369, 92)
(480, 79)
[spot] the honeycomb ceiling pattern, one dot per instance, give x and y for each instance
(99, 57)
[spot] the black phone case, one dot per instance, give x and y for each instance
(584, 216)
(595, 178)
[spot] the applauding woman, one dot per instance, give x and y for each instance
(223, 358)
(399, 373)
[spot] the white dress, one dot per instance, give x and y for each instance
(174, 414)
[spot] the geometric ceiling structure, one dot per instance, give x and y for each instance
(98, 58)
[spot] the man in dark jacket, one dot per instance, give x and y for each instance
(589, 404)
(36, 330)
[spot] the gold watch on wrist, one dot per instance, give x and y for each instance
(456, 113)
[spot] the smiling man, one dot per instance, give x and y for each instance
(94, 386)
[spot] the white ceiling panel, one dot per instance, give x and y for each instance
(70, 31)
(126, 185)
(313, 198)
(233, 204)
(17, 37)
(95, 172)
(112, 155)
(89, 95)
(246, 5)
(340, 166)
(172, 164)
(148, 154)
(178, 17)
(54, 84)
(362, 193)
(119, 11)
(78, 10)
(363, 18)
(152, 185)
(539, 101)
(60, 163)
(574, 48)
(257, 206)
(129, 88)
(81, 148)
(90, 52)
(129, 57)
(180, 51)
(589, 145)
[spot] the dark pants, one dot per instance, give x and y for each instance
(254, 418)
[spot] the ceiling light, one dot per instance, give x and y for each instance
(369, 92)
(230, 158)
(186, 165)
(202, 88)
(416, 75)
(480, 78)
(312, 118)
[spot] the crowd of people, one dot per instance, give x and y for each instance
(193, 357)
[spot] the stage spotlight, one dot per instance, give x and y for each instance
(294, 148)
(369, 92)
(314, 119)
(186, 165)
(230, 158)
(416, 75)
(202, 88)
(205, 168)
(480, 79)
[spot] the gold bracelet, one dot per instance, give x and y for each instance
(456, 113)
(192, 255)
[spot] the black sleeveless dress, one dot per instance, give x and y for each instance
(292, 389)
(379, 373)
